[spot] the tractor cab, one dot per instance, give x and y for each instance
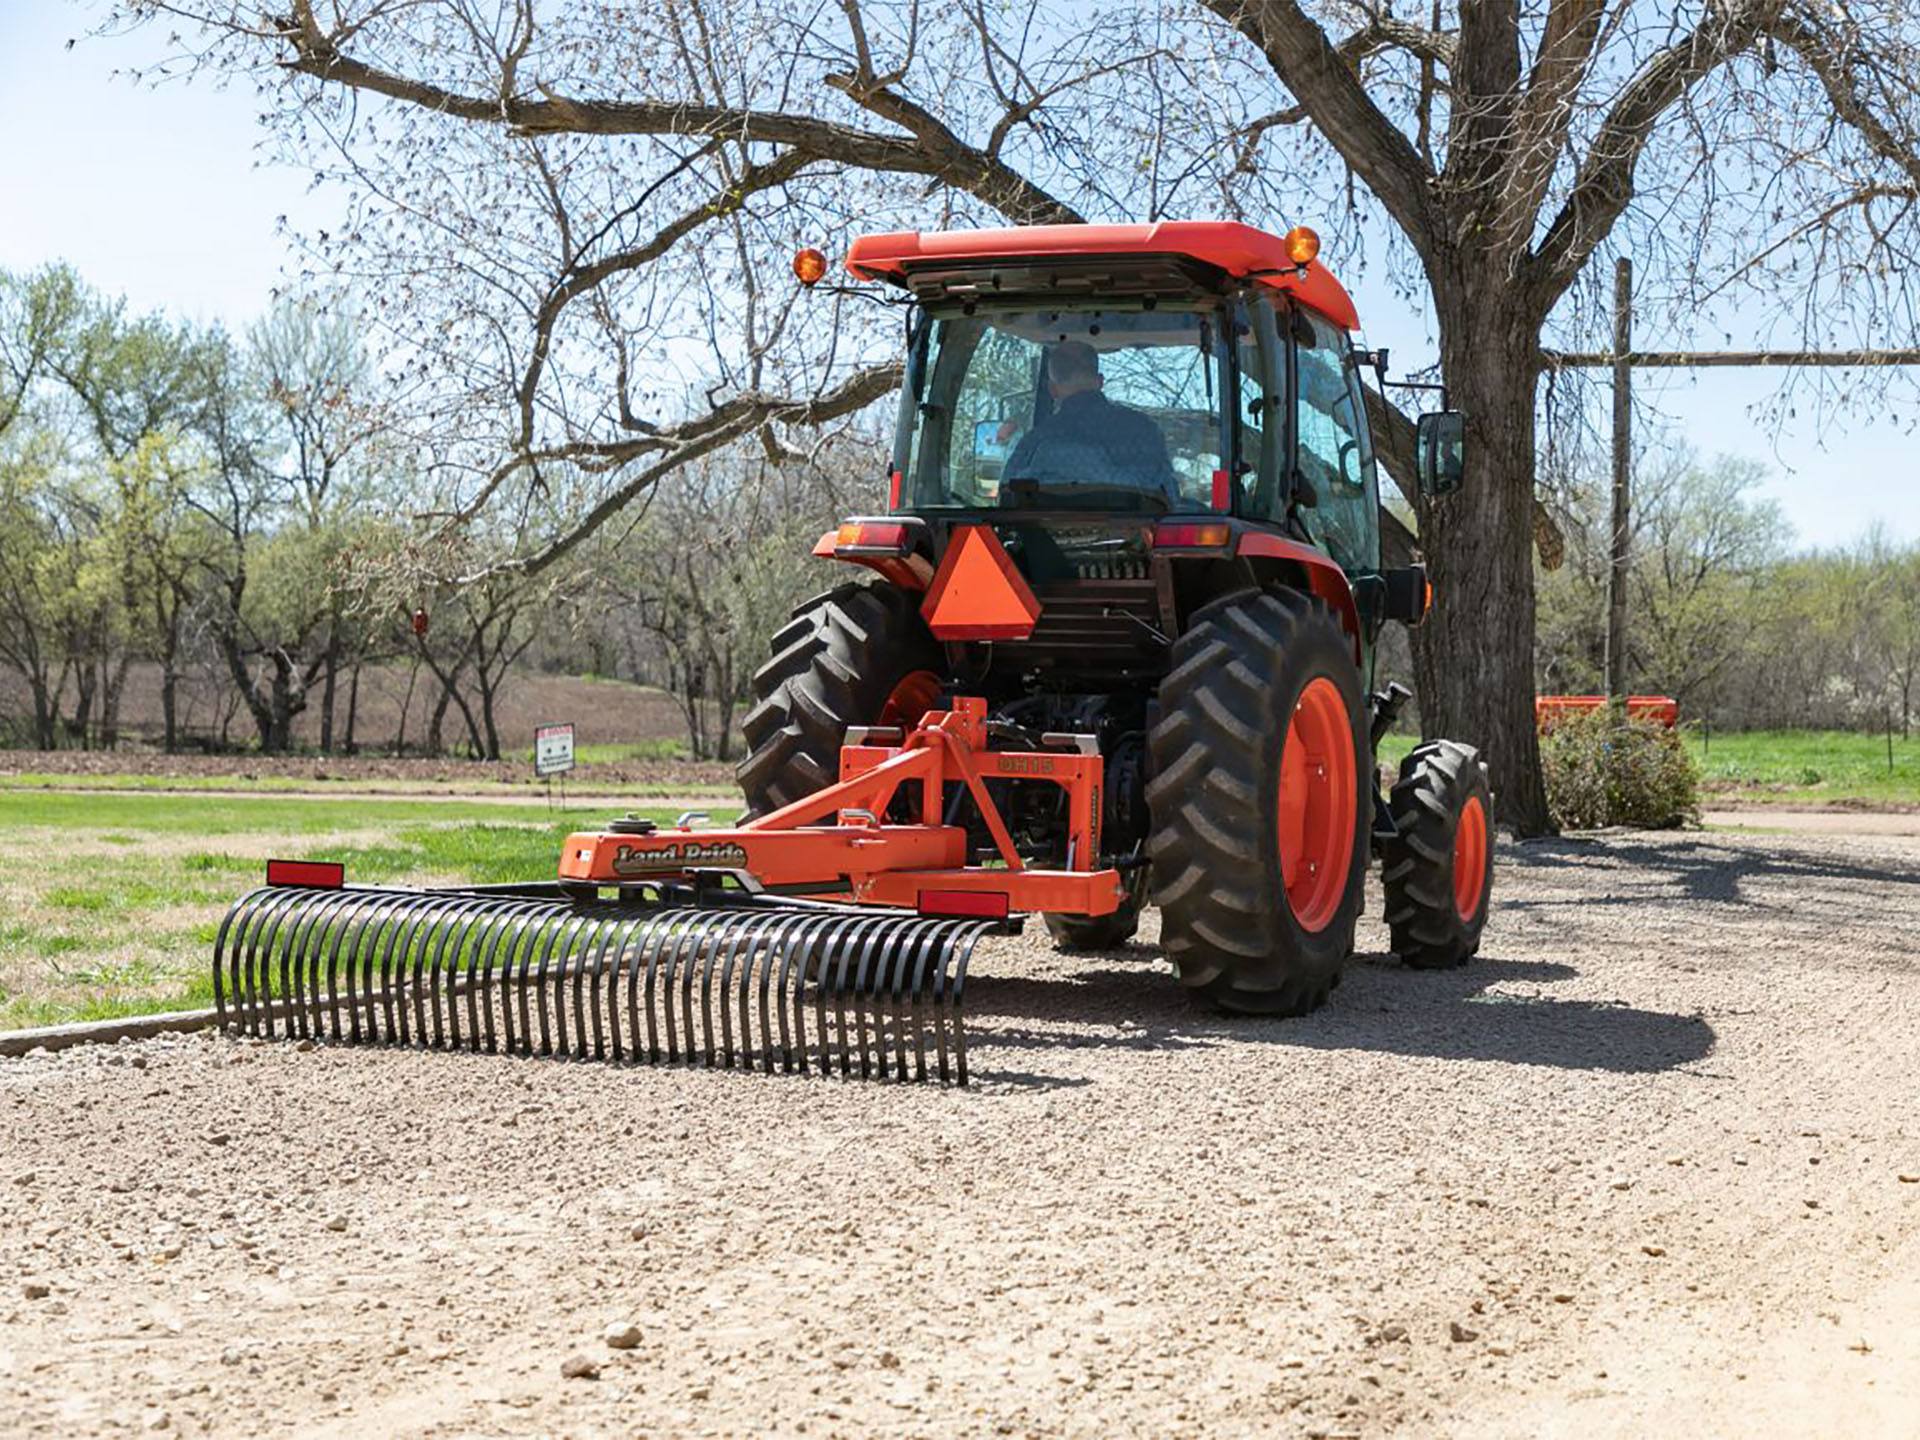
(1132, 382)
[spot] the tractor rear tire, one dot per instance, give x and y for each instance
(1263, 684)
(857, 655)
(1100, 932)
(1438, 870)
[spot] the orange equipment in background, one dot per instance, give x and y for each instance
(1661, 709)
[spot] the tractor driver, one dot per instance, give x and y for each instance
(1088, 439)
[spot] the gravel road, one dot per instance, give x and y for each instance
(1650, 1165)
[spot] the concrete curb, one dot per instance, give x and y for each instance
(105, 1032)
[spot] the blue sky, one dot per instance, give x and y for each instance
(164, 195)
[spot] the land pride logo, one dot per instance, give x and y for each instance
(677, 855)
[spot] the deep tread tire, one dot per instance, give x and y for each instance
(1099, 932)
(834, 664)
(1417, 867)
(1238, 672)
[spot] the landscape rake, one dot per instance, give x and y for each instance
(529, 971)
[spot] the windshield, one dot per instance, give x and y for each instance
(1099, 409)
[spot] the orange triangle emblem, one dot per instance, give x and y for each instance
(977, 594)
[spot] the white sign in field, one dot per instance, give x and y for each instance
(552, 749)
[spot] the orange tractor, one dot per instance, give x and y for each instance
(1115, 645)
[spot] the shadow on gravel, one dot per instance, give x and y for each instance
(1381, 1006)
(1704, 869)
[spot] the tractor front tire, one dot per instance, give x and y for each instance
(857, 655)
(1259, 798)
(1438, 868)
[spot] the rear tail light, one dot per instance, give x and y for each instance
(974, 904)
(871, 537)
(1191, 535)
(894, 480)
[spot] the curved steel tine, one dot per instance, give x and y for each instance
(619, 964)
(561, 930)
(295, 968)
(832, 979)
(406, 923)
(799, 947)
(504, 931)
(788, 939)
(700, 959)
(903, 964)
(379, 918)
(724, 940)
(448, 926)
(749, 928)
(456, 938)
(585, 962)
(555, 934)
(267, 991)
(958, 997)
(606, 927)
(928, 954)
(771, 934)
(889, 1023)
(851, 960)
(795, 940)
(244, 905)
(691, 928)
(258, 963)
(658, 931)
(345, 927)
(887, 938)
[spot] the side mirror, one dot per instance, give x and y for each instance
(1441, 451)
(987, 444)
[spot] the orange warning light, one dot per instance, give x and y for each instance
(809, 266)
(1302, 245)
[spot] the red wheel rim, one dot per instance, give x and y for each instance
(1470, 858)
(1319, 804)
(917, 693)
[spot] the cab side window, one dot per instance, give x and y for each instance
(1334, 452)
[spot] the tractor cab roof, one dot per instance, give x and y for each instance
(1164, 259)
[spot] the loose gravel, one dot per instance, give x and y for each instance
(1650, 1164)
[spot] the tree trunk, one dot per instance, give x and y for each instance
(1479, 550)
(43, 713)
(353, 705)
(169, 705)
(328, 686)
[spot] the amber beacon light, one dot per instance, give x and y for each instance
(1302, 245)
(809, 266)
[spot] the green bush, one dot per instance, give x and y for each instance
(1602, 772)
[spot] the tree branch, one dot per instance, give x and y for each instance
(1603, 186)
(1323, 80)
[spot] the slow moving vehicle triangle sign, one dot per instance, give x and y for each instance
(977, 594)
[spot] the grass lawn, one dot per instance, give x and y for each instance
(109, 902)
(307, 785)
(1787, 767)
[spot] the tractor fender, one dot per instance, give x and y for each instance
(1324, 576)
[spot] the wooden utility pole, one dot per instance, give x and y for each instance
(1622, 361)
(1620, 551)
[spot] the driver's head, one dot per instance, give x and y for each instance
(1072, 368)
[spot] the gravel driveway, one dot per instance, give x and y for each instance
(1652, 1164)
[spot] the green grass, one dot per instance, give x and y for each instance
(1786, 767)
(93, 932)
(306, 784)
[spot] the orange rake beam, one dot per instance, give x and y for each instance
(920, 866)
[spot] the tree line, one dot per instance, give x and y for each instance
(239, 515)
(1725, 614)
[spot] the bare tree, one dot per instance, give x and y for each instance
(588, 256)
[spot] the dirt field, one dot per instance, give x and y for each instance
(1650, 1166)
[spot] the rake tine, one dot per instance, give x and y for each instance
(905, 961)
(715, 928)
(690, 931)
(725, 940)
(958, 995)
(594, 929)
(749, 927)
